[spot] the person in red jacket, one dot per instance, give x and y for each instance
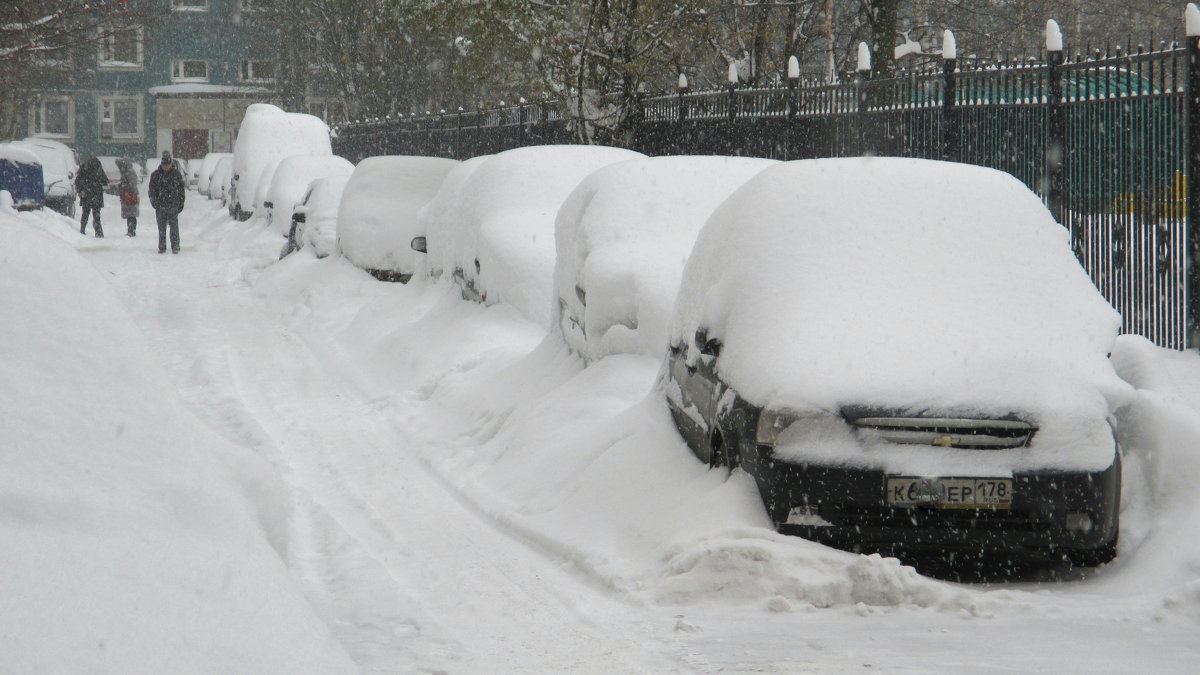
(166, 196)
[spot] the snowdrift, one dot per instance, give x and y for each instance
(135, 539)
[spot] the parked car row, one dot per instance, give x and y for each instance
(917, 365)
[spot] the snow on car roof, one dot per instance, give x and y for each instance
(624, 234)
(897, 282)
(378, 217)
(18, 155)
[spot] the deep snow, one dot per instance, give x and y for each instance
(217, 462)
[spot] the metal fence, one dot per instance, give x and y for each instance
(1108, 139)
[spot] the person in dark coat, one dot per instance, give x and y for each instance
(128, 192)
(90, 184)
(166, 196)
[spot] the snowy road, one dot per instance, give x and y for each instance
(428, 542)
(407, 576)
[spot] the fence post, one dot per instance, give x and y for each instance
(1191, 132)
(733, 80)
(951, 135)
(458, 135)
(1056, 122)
(521, 136)
(680, 90)
(793, 105)
(860, 88)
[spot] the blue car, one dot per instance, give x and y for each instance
(21, 176)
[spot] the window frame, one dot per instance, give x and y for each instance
(194, 6)
(247, 71)
(111, 100)
(37, 113)
(178, 70)
(108, 43)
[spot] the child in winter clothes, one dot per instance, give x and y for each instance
(127, 190)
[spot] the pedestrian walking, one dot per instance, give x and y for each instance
(166, 196)
(90, 184)
(129, 194)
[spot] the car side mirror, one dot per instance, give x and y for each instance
(418, 244)
(708, 346)
(299, 217)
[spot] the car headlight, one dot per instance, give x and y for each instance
(773, 422)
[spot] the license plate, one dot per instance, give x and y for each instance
(950, 493)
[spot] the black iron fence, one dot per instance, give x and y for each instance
(1108, 139)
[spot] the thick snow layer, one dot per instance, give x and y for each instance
(505, 246)
(441, 218)
(622, 237)
(457, 487)
(378, 217)
(207, 168)
(268, 134)
(218, 185)
(937, 286)
(320, 228)
(18, 154)
(135, 539)
(58, 163)
(264, 186)
(291, 180)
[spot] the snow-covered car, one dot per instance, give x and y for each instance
(315, 219)
(21, 177)
(109, 164)
(207, 166)
(59, 167)
(436, 219)
(623, 236)
(259, 203)
(191, 174)
(378, 219)
(218, 184)
(905, 355)
(500, 245)
(290, 182)
(268, 134)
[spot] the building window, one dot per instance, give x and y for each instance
(120, 117)
(189, 5)
(189, 70)
(330, 110)
(52, 117)
(122, 48)
(258, 71)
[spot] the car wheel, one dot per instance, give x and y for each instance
(1094, 557)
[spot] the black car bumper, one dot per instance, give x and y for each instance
(847, 508)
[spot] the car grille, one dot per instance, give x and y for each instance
(949, 432)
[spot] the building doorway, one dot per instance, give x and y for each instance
(189, 143)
